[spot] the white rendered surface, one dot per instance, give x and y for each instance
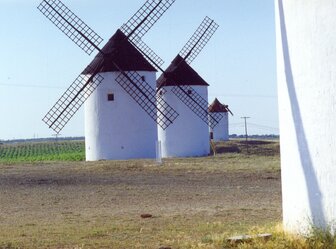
(188, 136)
(119, 129)
(306, 52)
(221, 130)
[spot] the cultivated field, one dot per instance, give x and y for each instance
(194, 202)
(42, 151)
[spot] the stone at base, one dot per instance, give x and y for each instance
(247, 238)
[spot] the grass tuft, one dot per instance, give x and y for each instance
(8, 245)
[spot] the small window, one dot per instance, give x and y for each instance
(110, 97)
(143, 78)
(189, 92)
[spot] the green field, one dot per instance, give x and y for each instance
(42, 151)
(75, 150)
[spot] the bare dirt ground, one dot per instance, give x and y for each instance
(98, 205)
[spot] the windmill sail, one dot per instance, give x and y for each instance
(70, 24)
(85, 84)
(197, 104)
(148, 53)
(144, 95)
(144, 19)
(198, 40)
(71, 100)
(230, 111)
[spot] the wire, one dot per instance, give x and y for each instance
(256, 126)
(244, 95)
(31, 86)
(264, 126)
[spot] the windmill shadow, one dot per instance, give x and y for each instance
(314, 192)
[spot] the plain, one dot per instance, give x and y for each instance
(194, 202)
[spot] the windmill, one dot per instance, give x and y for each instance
(181, 87)
(119, 81)
(221, 131)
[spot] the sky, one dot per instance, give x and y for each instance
(38, 62)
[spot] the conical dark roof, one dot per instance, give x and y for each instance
(217, 106)
(122, 52)
(180, 73)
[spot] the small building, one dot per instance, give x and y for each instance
(188, 136)
(116, 127)
(221, 131)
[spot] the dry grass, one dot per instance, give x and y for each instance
(195, 202)
(318, 239)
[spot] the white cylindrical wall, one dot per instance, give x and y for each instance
(188, 136)
(221, 130)
(119, 129)
(306, 56)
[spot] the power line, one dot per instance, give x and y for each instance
(255, 125)
(264, 127)
(31, 86)
(237, 124)
(244, 95)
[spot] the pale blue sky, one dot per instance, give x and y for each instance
(38, 62)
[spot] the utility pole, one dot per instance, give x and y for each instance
(56, 136)
(56, 141)
(245, 118)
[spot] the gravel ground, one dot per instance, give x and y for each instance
(56, 188)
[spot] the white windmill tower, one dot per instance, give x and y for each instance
(221, 131)
(190, 135)
(119, 86)
(182, 88)
(115, 126)
(306, 55)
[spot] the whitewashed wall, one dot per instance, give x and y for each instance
(221, 130)
(306, 52)
(188, 136)
(118, 129)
